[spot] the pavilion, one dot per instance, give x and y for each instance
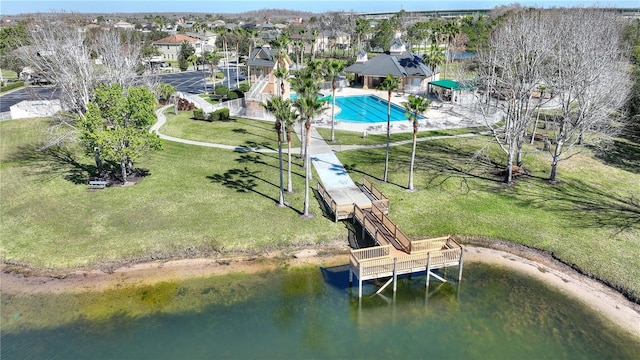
(397, 62)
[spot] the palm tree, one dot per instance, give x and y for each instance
(251, 37)
(224, 33)
(308, 106)
(212, 58)
(198, 26)
(434, 57)
(279, 108)
(238, 35)
(301, 44)
(193, 59)
(451, 29)
(362, 27)
(416, 105)
(389, 84)
(306, 83)
(281, 73)
(332, 68)
(314, 39)
(289, 119)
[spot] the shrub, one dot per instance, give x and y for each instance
(223, 114)
(221, 90)
(12, 86)
(220, 114)
(183, 64)
(243, 87)
(198, 114)
(232, 95)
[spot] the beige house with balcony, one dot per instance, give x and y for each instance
(169, 47)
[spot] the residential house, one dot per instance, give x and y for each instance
(169, 46)
(217, 23)
(123, 25)
(331, 40)
(208, 39)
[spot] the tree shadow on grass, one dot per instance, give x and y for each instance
(245, 181)
(240, 180)
(246, 132)
(625, 151)
(58, 161)
(623, 154)
(584, 204)
(326, 211)
(369, 157)
(255, 124)
(440, 161)
(260, 145)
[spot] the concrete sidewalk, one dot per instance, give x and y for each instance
(333, 176)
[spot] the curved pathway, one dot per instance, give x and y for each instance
(162, 120)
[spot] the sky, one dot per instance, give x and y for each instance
(14, 7)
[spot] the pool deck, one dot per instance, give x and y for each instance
(441, 115)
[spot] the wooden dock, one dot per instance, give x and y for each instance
(395, 254)
(382, 261)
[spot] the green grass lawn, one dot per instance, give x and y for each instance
(354, 138)
(208, 99)
(196, 200)
(202, 200)
(9, 75)
(238, 132)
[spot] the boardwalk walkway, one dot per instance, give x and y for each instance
(334, 177)
(395, 254)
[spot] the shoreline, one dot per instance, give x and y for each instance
(607, 302)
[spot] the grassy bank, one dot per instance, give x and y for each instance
(195, 201)
(199, 201)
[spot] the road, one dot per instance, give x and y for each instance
(187, 82)
(27, 93)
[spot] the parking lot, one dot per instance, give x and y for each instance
(187, 82)
(193, 81)
(27, 93)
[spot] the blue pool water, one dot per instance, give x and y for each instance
(367, 109)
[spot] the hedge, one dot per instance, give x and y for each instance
(11, 86)
(221, 114)
(198, 114)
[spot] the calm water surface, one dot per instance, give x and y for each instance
(311, 313)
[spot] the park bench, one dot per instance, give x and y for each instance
(97, 184)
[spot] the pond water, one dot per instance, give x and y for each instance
(311, 313)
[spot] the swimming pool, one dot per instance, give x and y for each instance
(367, 109)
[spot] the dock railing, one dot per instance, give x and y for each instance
(427, 245)
(444, 258)
(340, 212)
(381, 201)
(398, 234)
(371, 252)
(369, 226)
(381, 266)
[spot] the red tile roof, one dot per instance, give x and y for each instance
(175, 39)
